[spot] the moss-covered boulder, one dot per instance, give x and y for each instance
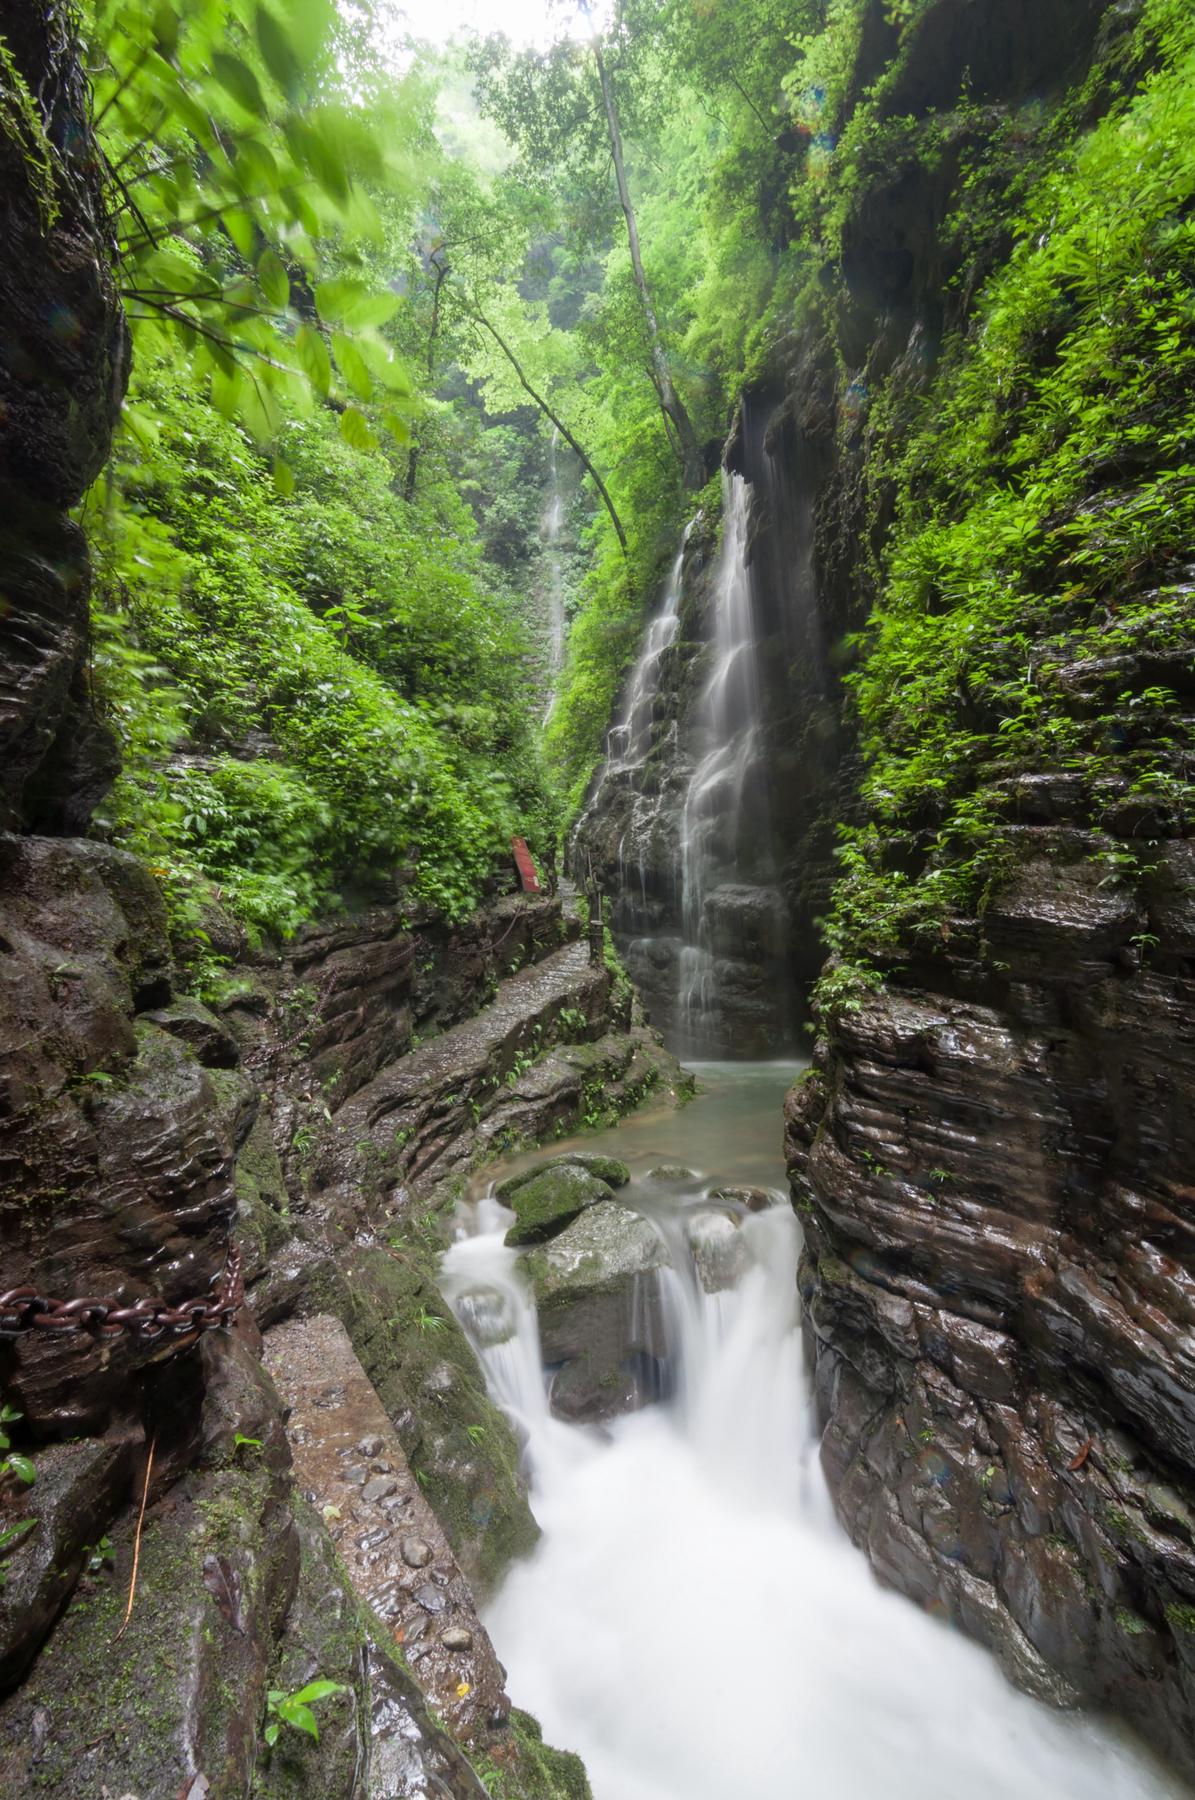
(607, 1168)
(552, 1199)
(601, 1317)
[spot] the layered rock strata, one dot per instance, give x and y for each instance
(163, 1574)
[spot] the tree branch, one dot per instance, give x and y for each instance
(479, 318)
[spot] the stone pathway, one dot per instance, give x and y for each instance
(434, 1095)
(350, 1464)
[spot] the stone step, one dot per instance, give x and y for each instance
(350, 1465)
(434, 1098)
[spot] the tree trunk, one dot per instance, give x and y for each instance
(672, 405)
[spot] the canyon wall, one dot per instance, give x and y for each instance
(991, 1153)
(297, 1123)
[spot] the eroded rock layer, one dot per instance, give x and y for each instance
(991, 1155)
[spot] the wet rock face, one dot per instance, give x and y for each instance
(63, 369)
(118, 1146)
(993, 1167)
(601, 1319)
(729, 990)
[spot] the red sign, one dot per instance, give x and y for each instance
(526, 867)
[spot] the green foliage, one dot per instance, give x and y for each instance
(1046, 507)
(21, 123)
(237, 150)
(313, 693)
(295, 1709)
(13, 1466)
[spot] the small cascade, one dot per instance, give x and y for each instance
(551, 527)
(692, 1622)
(631, 739)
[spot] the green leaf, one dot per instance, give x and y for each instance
(394, 422)
(260, 412)
(271, 1734)
(21, 1467)
(195, 117)
(301, 1717)
(354, 429)
(284, 485)
(275, 282)
(276, 51)
(229, 388)
(313, 149)
(239, 82)
(176, 273)
(11, 1534)
(347, 301)
(239, 227)
(352, 366)
(166, 28)
(312, 354)
(257, 166)
(319, 1690)
(383, 365)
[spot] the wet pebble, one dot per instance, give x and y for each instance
(356, 1476)
(369, 1446)
(432, 1599)
(457, 1637)
(380, 1488)
(416, 1552)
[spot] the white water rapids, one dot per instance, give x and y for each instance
(693, 1622)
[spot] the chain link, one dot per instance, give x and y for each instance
(24, 1309)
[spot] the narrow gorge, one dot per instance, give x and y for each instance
(597, 908)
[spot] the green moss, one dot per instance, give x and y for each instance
(1122, 1525)
(21, 123)
(1181, 1617)
(535, 1771)
(459, 1444)
(1043, 505)
(547, 1202)
(1132, 1622)
(263, 1204)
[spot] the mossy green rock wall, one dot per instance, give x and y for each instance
(991, 1155)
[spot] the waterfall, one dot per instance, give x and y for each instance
(692, 1622)
(631, 738)
(726, 733)
(551, 525)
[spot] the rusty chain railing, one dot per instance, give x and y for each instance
(23, 1309)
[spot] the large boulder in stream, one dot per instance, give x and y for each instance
(548, 1198)
(601, 1317)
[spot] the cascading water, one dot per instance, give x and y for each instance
(692, 1622)
(631, 739)
(727, 721)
